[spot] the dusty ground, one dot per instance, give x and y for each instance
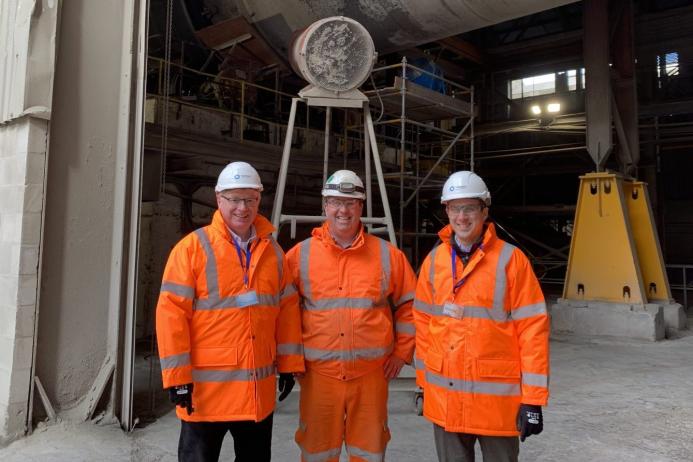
(612, 400)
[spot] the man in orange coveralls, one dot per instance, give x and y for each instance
(482, 334)
(227, 319)
(356, 295)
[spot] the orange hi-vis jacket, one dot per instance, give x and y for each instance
(482, 349)
(225, 336)
(356, 303)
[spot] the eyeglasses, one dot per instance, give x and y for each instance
(338, 203)
(466, 209)
(237, 201)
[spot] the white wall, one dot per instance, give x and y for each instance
(22, 159)
(27, 57)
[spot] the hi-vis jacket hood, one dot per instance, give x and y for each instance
(226, 336)
(482, 349)
(356, 303)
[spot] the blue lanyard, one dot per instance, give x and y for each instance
(245, 267)
(458, 284)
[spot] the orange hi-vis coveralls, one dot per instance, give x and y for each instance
(356, 311)
(226, 335)
(482, 349)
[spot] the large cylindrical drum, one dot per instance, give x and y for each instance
(335, 53)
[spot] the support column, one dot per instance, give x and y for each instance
(598, 83)
(27, 57)
(624, 87)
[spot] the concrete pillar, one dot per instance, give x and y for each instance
(27, 57)
(22, 166)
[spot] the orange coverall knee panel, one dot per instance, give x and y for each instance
(226, 336)
(483, 349)
(355, 304)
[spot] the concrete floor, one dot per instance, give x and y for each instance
(612, 400)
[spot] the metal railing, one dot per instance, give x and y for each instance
(235, 97)
(680, 279)
(685, 284)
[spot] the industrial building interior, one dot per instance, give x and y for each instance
(507, 99)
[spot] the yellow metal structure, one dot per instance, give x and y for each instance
(647, 242)
(615, 254)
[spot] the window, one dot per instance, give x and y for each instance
(533, 86)
(667, 64)
(545, 84)
(572, 80)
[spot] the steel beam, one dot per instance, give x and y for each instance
(598, 88)
(624, 88)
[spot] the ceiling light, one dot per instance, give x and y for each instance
(553, 107)
(536, 110)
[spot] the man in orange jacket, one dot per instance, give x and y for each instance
(227, 319)
(356, 295)
(482, 334)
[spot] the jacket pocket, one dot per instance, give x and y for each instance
(210, 357)
(434, 361)
(498, 368)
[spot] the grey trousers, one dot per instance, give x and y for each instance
(459, 447)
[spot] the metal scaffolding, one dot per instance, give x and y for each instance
(418, 111)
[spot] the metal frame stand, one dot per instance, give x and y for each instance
(371, 147)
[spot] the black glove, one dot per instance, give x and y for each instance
(529, 420)
(181, 395)
(286, 384)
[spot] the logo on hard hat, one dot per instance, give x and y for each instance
(452, 188)
(237, 176)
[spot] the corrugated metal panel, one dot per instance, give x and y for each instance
(654, 29)
(27, 57)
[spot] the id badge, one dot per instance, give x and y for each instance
(247, 299)
(453, 310)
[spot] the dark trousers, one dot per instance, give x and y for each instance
(459, 447)
(201, 441)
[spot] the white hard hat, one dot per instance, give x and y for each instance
(465, 185)
(238, 175)
(344, 183)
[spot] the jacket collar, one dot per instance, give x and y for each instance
(446, 235)
(263, 227)
(323, 235)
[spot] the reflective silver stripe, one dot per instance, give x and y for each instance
(210, 267)
(341, 302)
(179, 360)
(536, 380)
(320, 456)
(481, 312)
(280, 258)
(316, 354)
(432, 270)
(428, 308)
(499, 312)
(469, 386)
(405, 328)
(250, 298)
(178, 289)
(289, 349)
(304, 267)
(419, 363)
(236, 375)
(386, 267)
(476, 312)
(404, 299)
(528, 311)
(289, 290)
(369, 456)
